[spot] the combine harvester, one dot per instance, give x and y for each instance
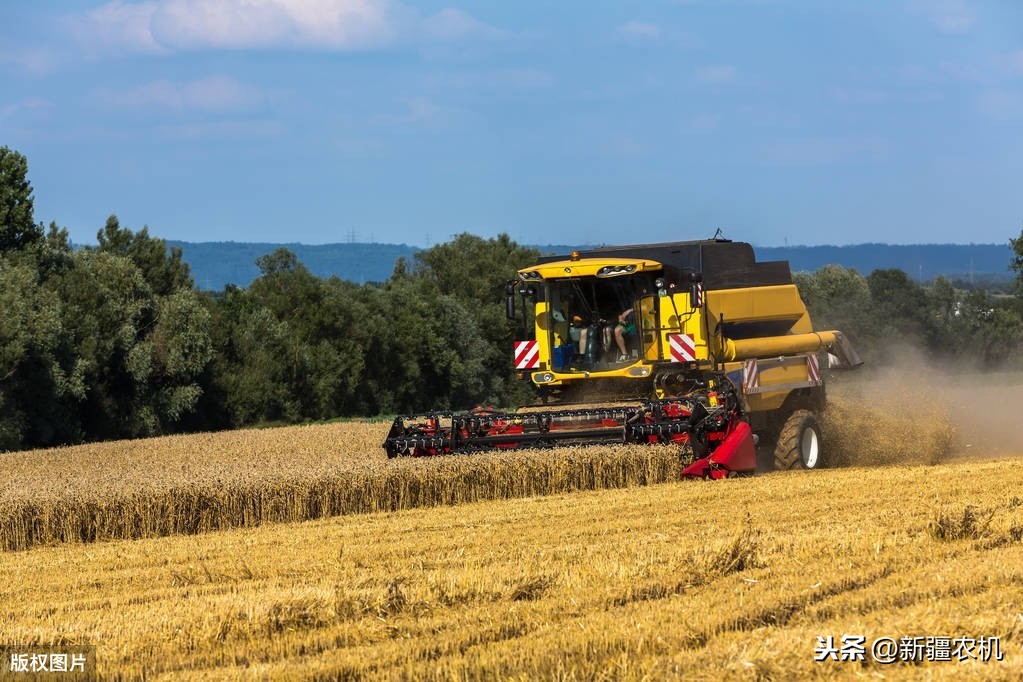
(693, 343)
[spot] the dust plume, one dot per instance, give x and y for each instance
(912, 411)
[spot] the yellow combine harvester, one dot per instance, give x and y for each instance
(712, 345)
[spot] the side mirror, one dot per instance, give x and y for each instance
(509, 300)
(695, 295)
(695, 289)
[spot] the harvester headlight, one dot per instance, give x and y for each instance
(531, 275)
(615, 270)
(543, 377)
(640, 371)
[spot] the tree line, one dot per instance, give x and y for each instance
(115, 340)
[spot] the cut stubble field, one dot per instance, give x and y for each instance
(685, 579)
(734, 579)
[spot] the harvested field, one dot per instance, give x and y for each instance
(689, 580)
(733, 579)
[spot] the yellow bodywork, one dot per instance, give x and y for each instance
(585, 268)
(758, 304)
(777, 307)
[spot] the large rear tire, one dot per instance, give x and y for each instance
(799, 443)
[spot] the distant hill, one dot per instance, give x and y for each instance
(216, 264)
(919, 261)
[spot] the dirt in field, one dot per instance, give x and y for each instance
(915, 412)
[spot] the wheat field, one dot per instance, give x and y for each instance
(303, 553)
(214, 481)
(697, 580)
(207, 482)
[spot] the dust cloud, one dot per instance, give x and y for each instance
(912, 411)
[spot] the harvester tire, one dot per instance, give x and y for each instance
(799, 443)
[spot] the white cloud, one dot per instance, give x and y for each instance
(246, 24)
(116, 27)
(161, 26)
(948, 16)
(715, 74)
(639, 31)
(213, 94)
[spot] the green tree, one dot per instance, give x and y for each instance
(55, 256)
(992, 330)
(839, 298)
(139, 355)
(473, 271)
(1016, 264)
(17, 222)
(162, 268)
(29, 333)
(900, 307)
(346, 331)
(943, 308)
(269, 358)
(287, 288)
(167, 362)
(257, 371)
(427, 352)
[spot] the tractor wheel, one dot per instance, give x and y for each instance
(799, 443)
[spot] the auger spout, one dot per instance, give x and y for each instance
(790, 344)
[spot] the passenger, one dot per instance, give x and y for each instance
(626, 326)
(578, 333)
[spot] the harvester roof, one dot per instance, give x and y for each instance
(724, 264)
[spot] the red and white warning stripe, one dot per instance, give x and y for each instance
(699, 295)
(750, 377)
(527, 355)
(813, 370)
(683, 347)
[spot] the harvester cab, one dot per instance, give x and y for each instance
(693, 340)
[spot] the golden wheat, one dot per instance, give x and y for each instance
(206, 482)
(212, 481)
(689, 580)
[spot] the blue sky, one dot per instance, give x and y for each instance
(317, 121)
